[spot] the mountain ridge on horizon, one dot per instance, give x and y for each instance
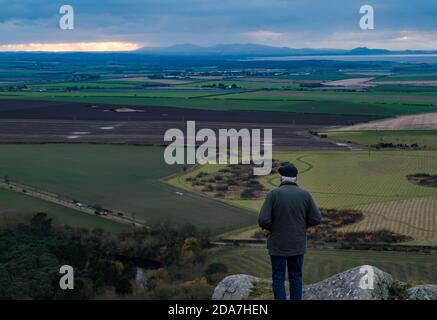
(264, 50)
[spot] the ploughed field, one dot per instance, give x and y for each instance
(41, 121)
(112, 111)
(125, 178)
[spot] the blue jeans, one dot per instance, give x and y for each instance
(295, 265)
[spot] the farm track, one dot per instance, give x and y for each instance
(310, 166)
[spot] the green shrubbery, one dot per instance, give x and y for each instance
(31, 255)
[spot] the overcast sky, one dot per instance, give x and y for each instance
(399, 24)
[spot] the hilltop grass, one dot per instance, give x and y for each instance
(413, 268)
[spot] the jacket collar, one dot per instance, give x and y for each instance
(288, 183)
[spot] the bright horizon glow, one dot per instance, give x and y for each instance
(72, 47)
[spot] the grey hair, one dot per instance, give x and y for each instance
(288, 179)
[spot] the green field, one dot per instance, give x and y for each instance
(371, 181)
(18, 207)
(409, 77)
(404, 88)
(83, 85)
(319, 264)
(125, 178)
(222, 102)
(244, 84)
(424, 138)
(356, 97)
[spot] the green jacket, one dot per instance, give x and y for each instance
(287, 212)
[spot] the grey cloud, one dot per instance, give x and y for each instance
(206, 21)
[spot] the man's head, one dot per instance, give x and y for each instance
(288, 173)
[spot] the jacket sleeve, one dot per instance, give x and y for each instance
(313, 216)
(265, 215)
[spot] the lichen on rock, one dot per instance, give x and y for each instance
(359, 283)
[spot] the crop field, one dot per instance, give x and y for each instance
(354, 179)
(318, 265)
(416, 217)
(424, 121)
(424, 138)
(218, 103)
(83, 85)
(370, 97)
(410, 77)
(245, 84)
(318, 76)
(404, 88)
(124, 178)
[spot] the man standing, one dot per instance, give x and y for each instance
(286, 213)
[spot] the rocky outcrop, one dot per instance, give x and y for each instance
(360, 283)
(235, 287)
(424, 292)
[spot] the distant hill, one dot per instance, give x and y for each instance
(250, 49)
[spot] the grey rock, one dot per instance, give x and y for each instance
(423, 292)
(352, 284)
(355, 284)
(235, 287)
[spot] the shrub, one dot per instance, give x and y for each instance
(222, 187)
(247, 194)
(201, 174)
(216, 267)
(208, 188)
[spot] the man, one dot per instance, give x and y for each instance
(286, 213)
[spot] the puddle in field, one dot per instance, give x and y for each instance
(106, 128)
(80, 133)
(73, 137)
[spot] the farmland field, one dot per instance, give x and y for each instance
(382, 104)
(424, 138)
(320, 264)
(370, 97)
(19, 207)
(355, 179)
(125, 178)
(245, 84)
(426, 121)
